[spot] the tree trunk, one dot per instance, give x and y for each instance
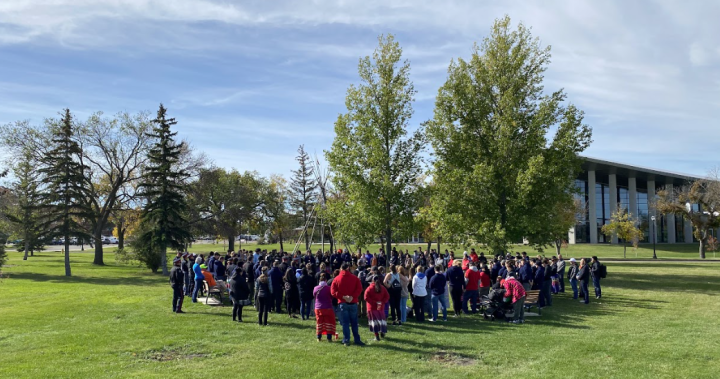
(558, 245)
(231, 242)
(27, 248)
(438, 244)
(702, 248)
(67, 255)
(388, 244)
(163, 260)
(98, 247)
(281, 241)
(429, 242)
(625, 250)
(121, 238)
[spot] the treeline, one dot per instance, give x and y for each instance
(502, 166)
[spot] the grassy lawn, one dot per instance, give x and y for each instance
(657, 320)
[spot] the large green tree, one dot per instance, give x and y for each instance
(222, 201)
(163, 218)
(374, 159)
(496, 171)
(275, 206)
(303, 190)
(64, 200)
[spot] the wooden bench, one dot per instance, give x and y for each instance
(212, 291)
(532, 299)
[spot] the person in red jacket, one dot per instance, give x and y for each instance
(376, 296)
(473, 256)
(347, 289)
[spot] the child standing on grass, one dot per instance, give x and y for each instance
(376, 296)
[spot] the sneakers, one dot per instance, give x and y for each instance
(377, 338)
(359, 343)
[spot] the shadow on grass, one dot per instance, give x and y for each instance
(135, 281)
(704, 284)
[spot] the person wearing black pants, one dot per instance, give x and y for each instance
(264, 296)
(275, 276)
(595, 274)
(582, 277)
(394, 287)
(456, 278)
(239, 292)
(177, 281)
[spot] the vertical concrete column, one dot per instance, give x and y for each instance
(612, 187)
(670, 219)
(651, 211)
(592, 215)
(688, 231)
(632, 193)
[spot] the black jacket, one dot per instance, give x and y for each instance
(263, 289)
(595, 269)
(572, 272)
(177, 277)
(238, 287)
(306, 284)
(583, 273)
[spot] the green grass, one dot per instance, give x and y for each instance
(657, 320)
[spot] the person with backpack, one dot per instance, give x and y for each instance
(597, 272)
(582, 276)
(394, 289)
(572, 276)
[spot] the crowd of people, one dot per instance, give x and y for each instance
(344, 287)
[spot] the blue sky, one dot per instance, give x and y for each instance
(249, 81)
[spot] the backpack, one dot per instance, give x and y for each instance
(395, 284)
(603, 271)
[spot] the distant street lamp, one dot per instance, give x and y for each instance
(654, 237)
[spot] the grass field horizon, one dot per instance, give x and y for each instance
(656, 320)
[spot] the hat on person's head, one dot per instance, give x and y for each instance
(176, 260)
(572, 259)
(203, 266)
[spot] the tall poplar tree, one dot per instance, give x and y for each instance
(64, 200)
(26, 215)
(374, 159)
(303, 189)
(163, 222)
(497, 174)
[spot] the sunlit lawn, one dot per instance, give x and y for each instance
(657, 320)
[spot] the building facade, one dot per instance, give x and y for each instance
(605, 185)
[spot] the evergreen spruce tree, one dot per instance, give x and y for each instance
(64, 199)
(3, 236)
(163, 222)
(26, 215)
(302, 189)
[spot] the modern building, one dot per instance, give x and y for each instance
(603, 185)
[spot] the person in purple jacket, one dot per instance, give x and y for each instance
(324, 313)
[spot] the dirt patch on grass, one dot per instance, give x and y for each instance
(170, 354)
(450, 357)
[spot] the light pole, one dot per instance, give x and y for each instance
(654, 237)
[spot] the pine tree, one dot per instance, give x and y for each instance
(3, 236)
(302, 189)
(163, 222)
(64, 199)
(26, 215)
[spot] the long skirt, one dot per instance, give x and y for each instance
(377, 321)
(325, 321)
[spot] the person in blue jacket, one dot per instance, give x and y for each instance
(276, 282)
(526, 274)
(502, 272)
(437, 293)
(198, 278)
(495, 271)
